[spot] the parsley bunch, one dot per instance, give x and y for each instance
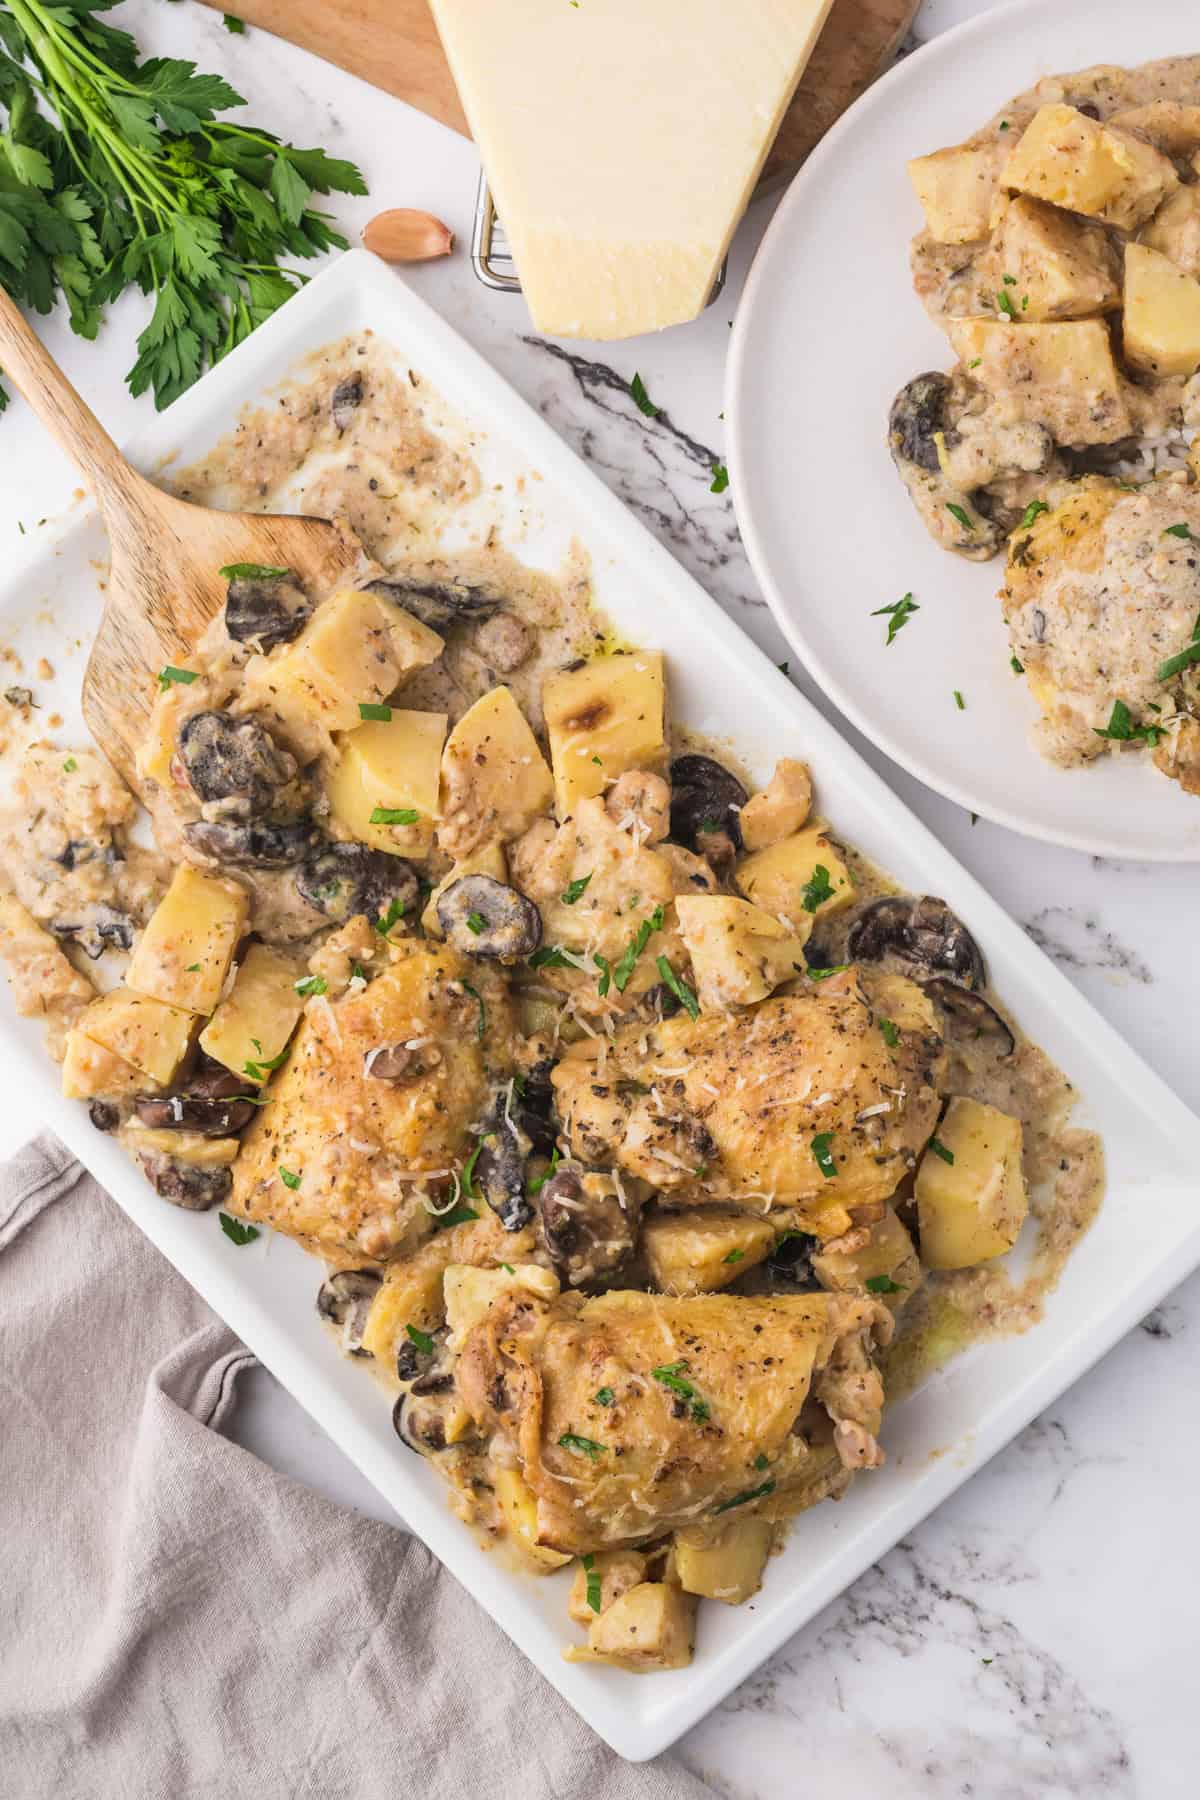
(116, 173)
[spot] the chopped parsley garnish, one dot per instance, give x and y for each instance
(720, 479)
(641, 398)
(1121, 728)
(236, 26)
(1016, 665)
(1031, 512)
(822, 1149)
(785, 668)
(588, 1563)
(761, 1460)
(641, 937)
(184, 677)
(758, 1493)
(1004, 125)
(974, 362)
(252, 572)
(508, 1268)
(605, 967)
(70, 765)
(289, 1177)
(959, 701)
(897, 614)
(735, 1256)
(461, 1215)
(392, 916)
(1004, 302)
(961, 514)
(477, 997)
(421, 1339)
(1009, 280)
(815, 974)
(395, 815)
(549, 957)
(1174, 665)
(369, 709)
(678, 987)
(1179, 531)
(311, 984)
(599, 761)
(603, 1396)
(574, 890)
(939, 1149)
(468, 1174)
(357, 972)
(236, 1231)
(668, 1374)
(192, 969)
(258, 1071)
(476, 923)
(539, 1181)
(883, 1284)
(891, 1036)
(817, 889)
(582, 1446)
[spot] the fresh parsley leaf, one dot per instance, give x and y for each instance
(761, 1460)
(939, 1149)
(70, 765)
(539, 1181)
(192, 969)
(1016, 665)
(237, 26)
(785, 668)
(629, 956)
(1009, 280)
(289, 1177)
(393, 915)
(961, 514)
(815, 974)
(883, 1284)
(735, 1256)
(897, 614)
(311, 984)
(236, 1231)
(891, 1036)
(605, 967)
(1121, 728)
(959, 701)
(641, 398)
(591, 1577)
(822, 1149)
(1004, 302)
(817, 889)
(1031, 512)
(720, 479)
(476, 923)
(370, 709)
(266, 1065)
(1180, 531)
(459, 1215)
(421, 1339)
(549, 957)
(582, 1446)
(468, 1174)
(253, 572)
(603, 1396)
(678, 987)
(758, 1493)
(395, 815)
(669, 1376)
(1175, 665)
(574, 890)
(477, 997)
(182, 677)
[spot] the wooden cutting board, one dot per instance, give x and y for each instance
(394, 45)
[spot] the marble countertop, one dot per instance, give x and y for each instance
(1034, 1639)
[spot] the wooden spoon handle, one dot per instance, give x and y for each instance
(27, 363)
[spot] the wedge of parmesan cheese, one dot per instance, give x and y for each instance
(622, 142)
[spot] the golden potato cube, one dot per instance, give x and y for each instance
(739, 953)
(602, 719)
(608, 1574)
(703, 1248)
(728, 1567)
(495, 782)
(1075, 162)
(183, 955)
(956, 188)
(1162, 313)
(152, 1036)
(1056, 266)
(257, 1017)
(518, 1508)
(489, 859)
(888, 1258)
(469, 1292)
(785, 878)
(414, 645)
(1171, 125)
(780, 809)
(411, 1294)
(190, 1147)
(390, 766)
(1060, 374)
(89, 1070)
(652, 1626)
(970, 1192)
(1175, 230)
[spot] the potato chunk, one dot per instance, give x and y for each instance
(603, 719)
(413, 1290)
(1162, 313)
(1059, 375)
(1171, 125)
(495, 782)
(89, 1070)
(253, 1023)
(887, 1258)
(739, 953)
(390, 766)
(183, 955)
(780, 809)
(785, 879)
(470, 1291)
(1175, 230)
(652, 1626)
(704, 1248)
(1056, 266)
(972, 1208)
(610, 1573)
(191, 1147)
(152, 1036)
(727, 1567)
(956, 188)
(518, 1508)
(1075, 162)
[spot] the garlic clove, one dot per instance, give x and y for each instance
(405, 235)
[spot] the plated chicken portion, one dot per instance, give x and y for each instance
(637, 1123)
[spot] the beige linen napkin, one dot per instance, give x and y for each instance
(176, 1619)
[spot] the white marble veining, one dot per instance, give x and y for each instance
(1038, 1637)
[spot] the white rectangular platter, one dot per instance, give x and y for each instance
(1147, 1238)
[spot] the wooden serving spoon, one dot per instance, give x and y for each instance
(164, 583)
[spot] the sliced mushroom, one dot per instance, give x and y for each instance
(480, 916)
(345, 1299)
(265, 608)
(19, 697)
(76, 853)
(705, 802)
(104, 1115)
(187, 1185)
(589, 1225)
(419, 1416)
(789, 1265)
(920, 932)
(211, 1116)
(504, 641)
(438, 604)
(252, 843)
(347, 398)
(340, 880)
(413, 1362)
(969, 1017)
(228, 758)
(398, 1063)
(918, 419)
(105, 929)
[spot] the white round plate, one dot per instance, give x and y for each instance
(828, 331)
